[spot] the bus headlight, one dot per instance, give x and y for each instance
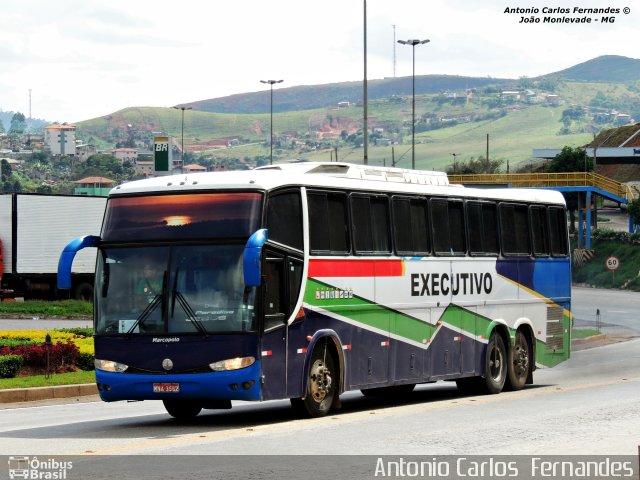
(232, 364)
(110, 366)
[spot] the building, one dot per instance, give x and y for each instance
(85, 150)
(616, 153)
(193, 168)
(60, 139)
(144, 167)
(98, 186)
(125, 154)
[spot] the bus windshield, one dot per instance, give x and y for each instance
(182, 216)
(172, 290)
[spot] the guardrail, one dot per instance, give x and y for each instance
(569, 179)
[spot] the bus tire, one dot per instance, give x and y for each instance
(83, 291)
(471, 385)
(182, 409)
(495, 364)
(321, 384)
(519, 366)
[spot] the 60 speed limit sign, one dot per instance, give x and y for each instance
(612, 263)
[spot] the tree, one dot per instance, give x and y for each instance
(571, 160)
(18, 124)
(473, 166)
(5, 170)
(633, 209)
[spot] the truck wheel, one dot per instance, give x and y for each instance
(83, 291)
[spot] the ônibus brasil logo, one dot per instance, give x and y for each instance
(33, 468)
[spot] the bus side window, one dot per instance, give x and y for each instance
(411, 226)
(274, 293)
(284, 219)
(370, 224)
(449, 236)
(558, 231)
(514, 229)
(328, 223)
(539, 230)
(482, 220)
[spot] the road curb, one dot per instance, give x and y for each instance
(15, 395)
(588, 340)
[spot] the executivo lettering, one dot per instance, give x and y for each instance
(429, 284)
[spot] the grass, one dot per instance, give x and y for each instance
(583, 332)
(72, 378)
(62, 308)
(595, 273)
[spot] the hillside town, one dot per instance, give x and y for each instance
(65, 158)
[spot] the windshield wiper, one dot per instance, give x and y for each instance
(190, 313)
(146, 313)
(192, 316)
(157, 300)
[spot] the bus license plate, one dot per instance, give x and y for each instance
(166, 388)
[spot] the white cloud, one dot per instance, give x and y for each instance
(87, 58)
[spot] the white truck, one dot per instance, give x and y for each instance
(34, 229)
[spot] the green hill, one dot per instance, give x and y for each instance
(454, 115)
(308, 97)
(607, 68)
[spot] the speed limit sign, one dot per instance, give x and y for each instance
(612, 263)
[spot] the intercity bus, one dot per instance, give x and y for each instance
(307, 280)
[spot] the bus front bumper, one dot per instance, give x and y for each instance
(242, 384)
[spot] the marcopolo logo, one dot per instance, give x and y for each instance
(34, 468)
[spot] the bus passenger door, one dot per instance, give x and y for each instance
(283, 277)
(274, 336)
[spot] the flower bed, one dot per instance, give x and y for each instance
(69, 350)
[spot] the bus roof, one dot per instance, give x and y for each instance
(331, 175)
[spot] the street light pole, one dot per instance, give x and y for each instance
(271, 83)
(454, 162)
(413, 43)
(182, 138)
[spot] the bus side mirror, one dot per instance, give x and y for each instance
(251, 258)
(67, 256)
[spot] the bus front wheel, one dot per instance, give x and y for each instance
(182, 409)
(321, 384)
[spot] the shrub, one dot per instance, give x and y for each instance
(9, 365)
(11, 342)
(77, 331)
(61, 355)
(86, 361)
(618, 236)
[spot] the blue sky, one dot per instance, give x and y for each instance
(87, 58)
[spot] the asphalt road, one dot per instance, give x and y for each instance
(585, 406)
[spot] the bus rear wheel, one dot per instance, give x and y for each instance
(182, 409)
(321, 384)
(519, 362)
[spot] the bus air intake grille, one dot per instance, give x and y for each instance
(555, 329)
